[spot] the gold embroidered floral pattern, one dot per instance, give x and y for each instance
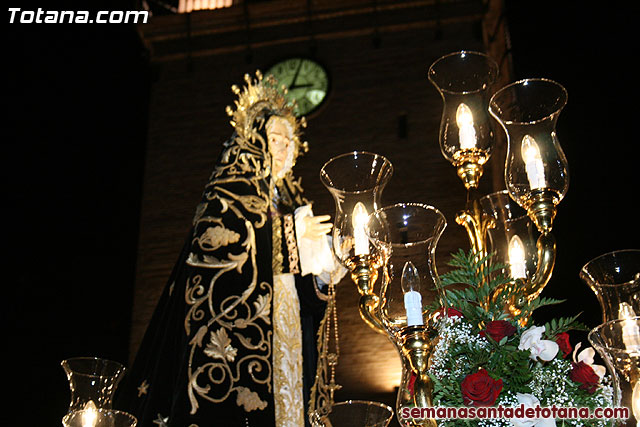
(216, 368)
(249, 399)
(219, 346)
(215, 237)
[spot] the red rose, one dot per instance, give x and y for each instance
(498, 329)
(479, 389)
(584, 374)
(562, 340)
(451, 312)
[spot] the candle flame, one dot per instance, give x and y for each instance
(360, 215)
(410, 279)
(359, 220)
(530, 149)
(89, 417)
(516, 258)
(466, 133)
(533, 162)
(464, 117)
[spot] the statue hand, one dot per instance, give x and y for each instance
(315, 227)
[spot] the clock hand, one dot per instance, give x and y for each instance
(295, 76)
(300, 86)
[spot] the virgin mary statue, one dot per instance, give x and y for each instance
(232, 341)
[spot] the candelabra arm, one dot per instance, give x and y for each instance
(546, 260)
(364, 276)
(369, 307)
(476, 223)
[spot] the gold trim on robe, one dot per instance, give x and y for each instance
(287, 353)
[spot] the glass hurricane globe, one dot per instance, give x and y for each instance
(614, 278)
(93, 381)
(536, 169)
(405, 237)
(356, 181)
(464, 80)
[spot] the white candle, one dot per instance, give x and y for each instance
(466, 131)
(533, 163)
(410, 283)
(516, 258)
(359, 221)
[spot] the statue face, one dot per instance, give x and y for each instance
(279, 147)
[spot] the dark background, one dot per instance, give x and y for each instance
(73, 161)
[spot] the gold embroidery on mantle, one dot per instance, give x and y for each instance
(249, 400)
(216, 379)
(215, 237)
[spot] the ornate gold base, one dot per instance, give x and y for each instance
(470, 174)
(541, 207)
(468, 163)
(416, 347)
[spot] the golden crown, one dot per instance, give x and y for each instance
(262, 94)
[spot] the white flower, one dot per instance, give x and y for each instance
(532, 340)
(586, 356)
(530, 401)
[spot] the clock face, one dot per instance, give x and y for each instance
(307, 83)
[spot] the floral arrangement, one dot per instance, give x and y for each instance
(486, 357)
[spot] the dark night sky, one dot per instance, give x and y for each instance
(74, 158)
